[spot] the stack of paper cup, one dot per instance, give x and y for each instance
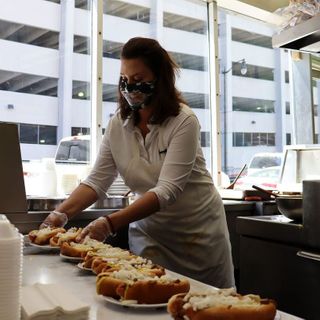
(11, 250)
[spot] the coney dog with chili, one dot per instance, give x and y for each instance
(43, 236)
(224, 304)
(68, 236)
(102, 264)
(135, 285)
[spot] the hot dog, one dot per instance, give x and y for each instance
(42, 236)
(135, 285)
(152, 291)
(80, 250)
(222, 304)
(102, 264)
(70, 235)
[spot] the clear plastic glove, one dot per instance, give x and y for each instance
(54, 219)
(98, 229)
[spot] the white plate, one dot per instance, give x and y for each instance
(44, 247)
(70, 258)
(80, 266)
(134, 305)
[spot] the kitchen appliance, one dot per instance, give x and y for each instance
(280, 258)
(290, 205)
(300, 162)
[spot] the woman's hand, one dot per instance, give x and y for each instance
(98, 229)
(54, 219)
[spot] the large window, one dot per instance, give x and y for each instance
(44, 82)
(176, 25)
(255, 94)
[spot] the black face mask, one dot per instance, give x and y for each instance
(137, 94)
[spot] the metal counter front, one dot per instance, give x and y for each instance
(48, 267)
(276, 260)
(26, 222)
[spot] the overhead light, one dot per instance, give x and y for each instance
(81, 94)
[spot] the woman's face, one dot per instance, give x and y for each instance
(136, 83)
(135, 71)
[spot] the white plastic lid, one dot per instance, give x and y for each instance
(7, 230)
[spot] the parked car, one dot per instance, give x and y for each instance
(267, 178)
(70, 165)
(264, 160)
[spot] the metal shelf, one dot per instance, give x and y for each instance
(303, 37)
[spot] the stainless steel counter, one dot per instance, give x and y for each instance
(48, 267)
(32, 219)
(28, 221)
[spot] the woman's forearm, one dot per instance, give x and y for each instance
(139, 209)
(81, 198)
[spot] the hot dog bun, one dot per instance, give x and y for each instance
(102, 264)
(42, 236)
(222, 304)
(152, 291)
(135, 285)
(70, 235)
(80, 250)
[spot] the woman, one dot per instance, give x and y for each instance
(153, 141)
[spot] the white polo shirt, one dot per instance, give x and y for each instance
(189, 234)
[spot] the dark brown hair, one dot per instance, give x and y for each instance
(166, 98)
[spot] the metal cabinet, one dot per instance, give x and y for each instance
(287, 273)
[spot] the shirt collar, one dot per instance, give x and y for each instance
(128, 123)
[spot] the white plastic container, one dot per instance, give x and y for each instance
(11, 253)
(40, 178)
(48, 178)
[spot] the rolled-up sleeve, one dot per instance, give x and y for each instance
(104, 170)
(178, 162)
